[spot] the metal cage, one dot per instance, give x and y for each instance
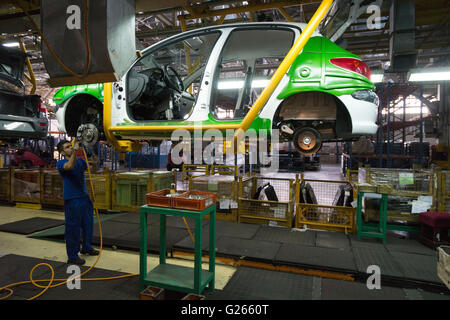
(25, 185)
(274, 207)
(226, 187)
(5, 184)
(325, 205)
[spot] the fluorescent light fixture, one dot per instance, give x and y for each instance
(262, 83)
(377, 76)
(11, 44)
(223, 85)
(430, 74)
(239, 84)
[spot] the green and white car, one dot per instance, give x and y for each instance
(212, 77)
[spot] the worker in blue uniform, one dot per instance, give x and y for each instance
(78, 208)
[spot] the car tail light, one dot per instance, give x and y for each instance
(42, 110)
(352, 64)
(42, 124)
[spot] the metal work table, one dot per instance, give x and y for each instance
(174, 277)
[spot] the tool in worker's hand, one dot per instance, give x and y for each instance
(87, 134)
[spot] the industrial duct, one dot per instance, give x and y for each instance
(98, 49)
(402, 48)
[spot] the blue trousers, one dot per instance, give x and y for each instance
(79, 222)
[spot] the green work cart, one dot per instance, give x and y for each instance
(174, 277)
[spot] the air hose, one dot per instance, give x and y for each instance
(64, 281)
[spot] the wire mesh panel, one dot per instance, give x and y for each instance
(446, 190)
(323, 192)
(222, 169)
(5, 185)
(352, 175)
(52, 188)
(405, 182)
(129, 188)
(398, 209)
(194, 169)
(267, 201)
(325, 217)
(161, 180)
(248, 188)
(443, 190)
(407, 186)
(26, 185)
(101, 182)
(325, 205)
(226, 188)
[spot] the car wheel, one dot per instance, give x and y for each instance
(307, 141)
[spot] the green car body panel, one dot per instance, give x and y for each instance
(65, 93)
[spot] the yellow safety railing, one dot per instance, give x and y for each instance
(442, 192)
(194, 168)
(351, 175)
(222, 169)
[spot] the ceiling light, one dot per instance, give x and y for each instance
(429, 74)
(377, 76)
(239, 84)
(11, 44)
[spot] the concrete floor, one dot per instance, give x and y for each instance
(116, 260)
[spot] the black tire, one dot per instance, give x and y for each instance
(307, 141)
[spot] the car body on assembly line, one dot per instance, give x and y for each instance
(212, 77)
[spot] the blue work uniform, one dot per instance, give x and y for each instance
(78, 208)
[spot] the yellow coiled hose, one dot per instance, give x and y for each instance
(64, 281)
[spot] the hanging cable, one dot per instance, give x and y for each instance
(44, 40)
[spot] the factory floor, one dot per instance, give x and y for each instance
(114, 260)
(291, 286)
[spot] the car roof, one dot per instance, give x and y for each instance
(296, 25)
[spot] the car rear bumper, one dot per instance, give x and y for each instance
(363, 114)
(23, 127)
(60, 116)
